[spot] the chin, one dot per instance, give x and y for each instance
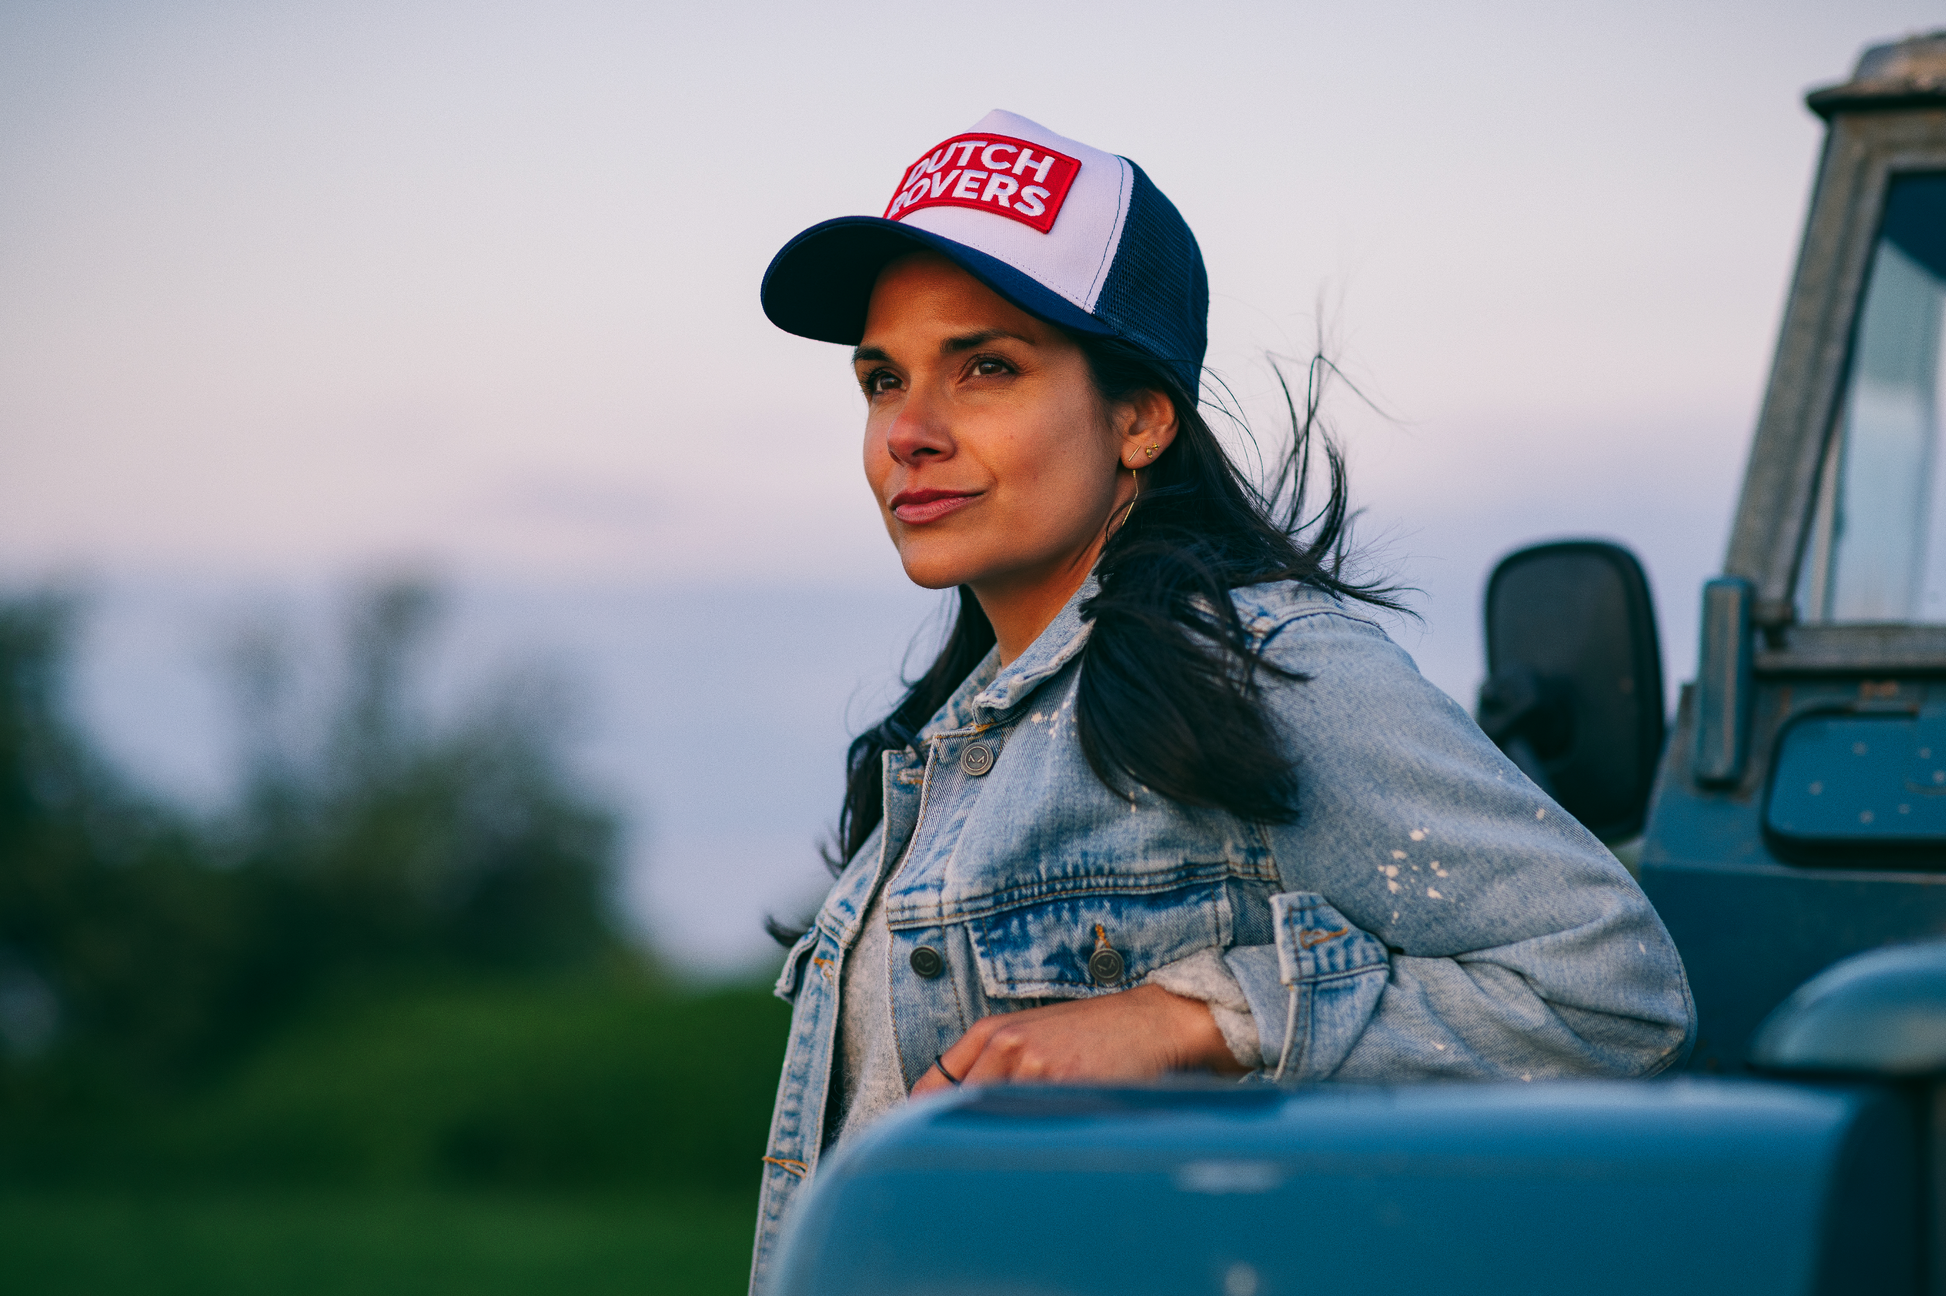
(927, 578)
(934, 570)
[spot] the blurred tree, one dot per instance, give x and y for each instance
(139, 948)
(102, 905)
(413, 842)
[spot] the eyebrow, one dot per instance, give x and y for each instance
(951, 346)
(967, 341)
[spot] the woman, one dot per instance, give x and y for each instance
(1169, 799)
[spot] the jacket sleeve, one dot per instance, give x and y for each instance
(1441, 916)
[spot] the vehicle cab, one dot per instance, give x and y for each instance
(1800, 815)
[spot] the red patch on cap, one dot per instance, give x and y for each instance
(995, 173)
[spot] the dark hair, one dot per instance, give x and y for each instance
(1168, 695)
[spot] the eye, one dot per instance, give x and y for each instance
(990, 367)
(878, 382)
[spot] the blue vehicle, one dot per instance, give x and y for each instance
(1791, 830)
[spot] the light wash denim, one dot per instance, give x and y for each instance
(1431, 914)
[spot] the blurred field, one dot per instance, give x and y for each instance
(587, 1084)
(214, 1244)
(374, 1029)
(597, 1135)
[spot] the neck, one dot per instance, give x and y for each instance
(1021, 605)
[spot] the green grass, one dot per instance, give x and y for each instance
(212, 1243)
(573, 1086)
(594, 1136)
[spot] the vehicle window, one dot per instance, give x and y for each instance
(1877, 549)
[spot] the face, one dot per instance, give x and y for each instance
(995, 461)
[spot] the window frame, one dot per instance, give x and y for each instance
(1802, 409)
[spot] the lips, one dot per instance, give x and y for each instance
(915, 508)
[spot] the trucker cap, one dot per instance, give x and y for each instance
(1080, 238)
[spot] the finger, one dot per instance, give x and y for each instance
(999, 1061)
(966, 1050)
(957, 1060)
(932, 1082)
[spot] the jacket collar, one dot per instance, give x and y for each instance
(989, 692)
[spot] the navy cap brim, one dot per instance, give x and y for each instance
(820, 285)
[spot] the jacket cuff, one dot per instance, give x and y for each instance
(1333, 974)
(1203, 976)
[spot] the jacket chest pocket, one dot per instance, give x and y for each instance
(1091, 943)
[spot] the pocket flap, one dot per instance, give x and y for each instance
(1049, 949)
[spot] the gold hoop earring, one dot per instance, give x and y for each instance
(1136, 473)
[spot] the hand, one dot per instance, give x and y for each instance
(1131, 1035)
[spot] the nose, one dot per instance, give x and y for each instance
(920, 431)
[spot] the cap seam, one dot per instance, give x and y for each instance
(1123, 197)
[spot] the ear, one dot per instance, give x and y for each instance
(1147, 422)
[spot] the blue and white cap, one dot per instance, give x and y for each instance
(1080, 238)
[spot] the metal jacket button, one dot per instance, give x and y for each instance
(927, 963)
(1104, 965)
(976, 760)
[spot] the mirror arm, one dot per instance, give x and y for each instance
(1722, 699)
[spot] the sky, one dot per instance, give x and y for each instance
(293, 292)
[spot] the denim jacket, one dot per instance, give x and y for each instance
(1431, 913)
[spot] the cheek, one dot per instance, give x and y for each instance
(877, 463)
(1059, 466)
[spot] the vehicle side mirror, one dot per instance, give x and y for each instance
(1574, 679)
